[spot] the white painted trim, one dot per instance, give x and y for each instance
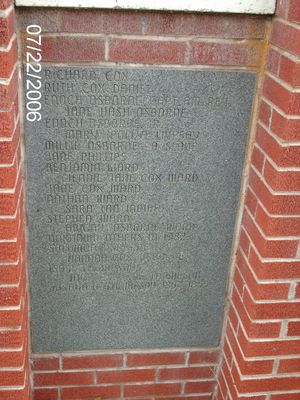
(230, 6)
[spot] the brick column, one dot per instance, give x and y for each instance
(261, 354)
(13, 299)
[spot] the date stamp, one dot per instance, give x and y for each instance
(32, 75)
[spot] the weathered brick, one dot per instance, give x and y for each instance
(203, 357)
(147, 51)
(288, 102)
(285, 36)
(62, 49)
(206, 25)
(45, 363)
(290, 71)
(231, 53)
(7, 28)
(284, 128)
(103, 21)
(8, 59)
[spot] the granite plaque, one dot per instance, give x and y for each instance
(133, 182)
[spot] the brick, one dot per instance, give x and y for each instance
(293, 13)
(264, 113)
(251, 202)
(213, 53)
(267, 247)
(274, 270)
(14, 339)
(288, 102)
(232, 317)
(11, 378)
(229, 382)
(45, 394)
(160, 389)
(244, 242)
(297, 291)
(288, 156)
(61, 49)
(281, 181)
(63, 378)
(199, 387)
(7, 123)
(277, 226)
(255, 330)
(179, 374)
(265, 384)
(93, 361)
(247, 367)
(203, 357)
(290, 365)
(273, 61)
(227, 352)
(48, 18)
(9, 201)
(238, 281)
(282, 8)
(222, 388)
(17, 394)
(8, 230)
(261, 291)
(290, 71)
(45, 363)
(147, 51)
(8, 148)
(8, 93)
(104, 392)
(8, 176)
(123, 376)
(10, 295)
(206, 25)
(282, 310)
(257, 159)
(7, 28)
(284, 128)
(103, 21)
(267, 348)
(274, 203)
(8, 59)
(285, 36)
(293, 328)
(144, 359)
(9, 251)
(11, 359)
(12, 318)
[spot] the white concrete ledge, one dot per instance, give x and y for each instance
(228, 6)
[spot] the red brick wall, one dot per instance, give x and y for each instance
(262, 339)
(14, 371)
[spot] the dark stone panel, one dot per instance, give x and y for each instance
(133, 181)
